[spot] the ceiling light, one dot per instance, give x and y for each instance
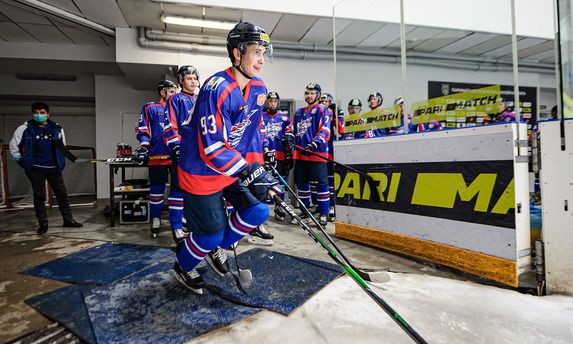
(169, 19)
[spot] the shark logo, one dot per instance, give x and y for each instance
(272, 130)
(303, 126)
(238, 129)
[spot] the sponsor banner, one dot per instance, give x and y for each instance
(458, 108)
(567, 106)
(527, 96)
(374, 119)
(480, 192)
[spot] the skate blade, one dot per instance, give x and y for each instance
(262, 242)
(196, 291)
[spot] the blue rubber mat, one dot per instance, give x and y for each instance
(103, 264)
(66, 306)
(156, 308)
(280, 282)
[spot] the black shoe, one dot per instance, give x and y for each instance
(261, 233)
(43, 228)
(190, 279)
(72, 223)
(279, 214)
(217, 258)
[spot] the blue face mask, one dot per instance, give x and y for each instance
(40, 118)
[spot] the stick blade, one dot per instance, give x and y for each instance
(245, 275)
(375, 277)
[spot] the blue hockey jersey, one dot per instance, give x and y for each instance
(275, 126)
(178, 110)
(223, 135)
(311, 124)
(150, 131)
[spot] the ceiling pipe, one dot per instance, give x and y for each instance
(148, 38)
(43, 8)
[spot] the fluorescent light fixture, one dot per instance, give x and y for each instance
(169, 19)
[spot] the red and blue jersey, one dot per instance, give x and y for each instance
(150, 131)
(311, 124)
(223, 136)
(340, 130)
(178, 110)
(275, 126)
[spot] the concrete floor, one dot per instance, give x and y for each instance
(443, 305)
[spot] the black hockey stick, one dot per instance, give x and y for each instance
(391, 312)
(245, 275)
(369, 180)
(70, 156)
(376, 277)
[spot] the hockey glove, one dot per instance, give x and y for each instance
(289, 162)
(310, 147)
(288, 140)
(259, 182)
(270, 160)
(175, 154)
(141, 155)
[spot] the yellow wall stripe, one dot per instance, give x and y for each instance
(494, 268)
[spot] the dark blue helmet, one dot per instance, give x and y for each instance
(245, 33)
(327, 97)
(163, 84)
(273, 95)
(377, 95)
(355, 102)
(314, 87)
(184, 70)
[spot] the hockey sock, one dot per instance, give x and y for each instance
(242, 221)
(323, 196)
(331, 190)
(303, 192)
(196, 247)
(313, 195)
(156, 200)
(176, 209)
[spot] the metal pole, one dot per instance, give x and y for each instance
(515, 68)
(403, 57)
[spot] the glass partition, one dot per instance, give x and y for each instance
(565, 44)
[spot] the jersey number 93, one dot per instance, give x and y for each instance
(210, 127)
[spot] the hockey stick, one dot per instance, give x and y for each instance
(391, 312)
(376, 277)
(369, 180)
(245, 275)
(70, 156)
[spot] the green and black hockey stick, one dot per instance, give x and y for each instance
(369, 180)
(376, 277)
(391, 312)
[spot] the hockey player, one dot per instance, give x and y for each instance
(178, 110)
(310, 128)
(221, 159)
(276, 123)
(327, 100)
(150, 137)
(354, 107)
(375, 101)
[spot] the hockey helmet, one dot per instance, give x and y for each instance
(398, 101)
(314, 87)
(163, 84)
(377, 95)
(327, 96)
(355, 102)
(244, 34)
(273, 95)
(184, 70)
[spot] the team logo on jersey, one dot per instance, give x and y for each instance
(238, 129)
(302, 126)
(285, 118)
(213, 83)
(261, 99)
(313, 111)
(272, 130)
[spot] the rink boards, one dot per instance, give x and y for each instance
(454, 197)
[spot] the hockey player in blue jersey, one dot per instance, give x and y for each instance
(221, 159)
(336, 125)
(155, 152)
(178, 110)
(375, 101)
(276, 123)
(354, 107)
(310, 128)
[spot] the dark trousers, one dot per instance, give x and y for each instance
(56, 181)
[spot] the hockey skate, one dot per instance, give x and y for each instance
(279, 214)
(217, 259)
(190, 279)
(322, 220)
(331, 215)
(155, 224)
(303, 216)
(178, 235)
(260, 236)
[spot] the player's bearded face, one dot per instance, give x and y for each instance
(253, 60)
(311, 97)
